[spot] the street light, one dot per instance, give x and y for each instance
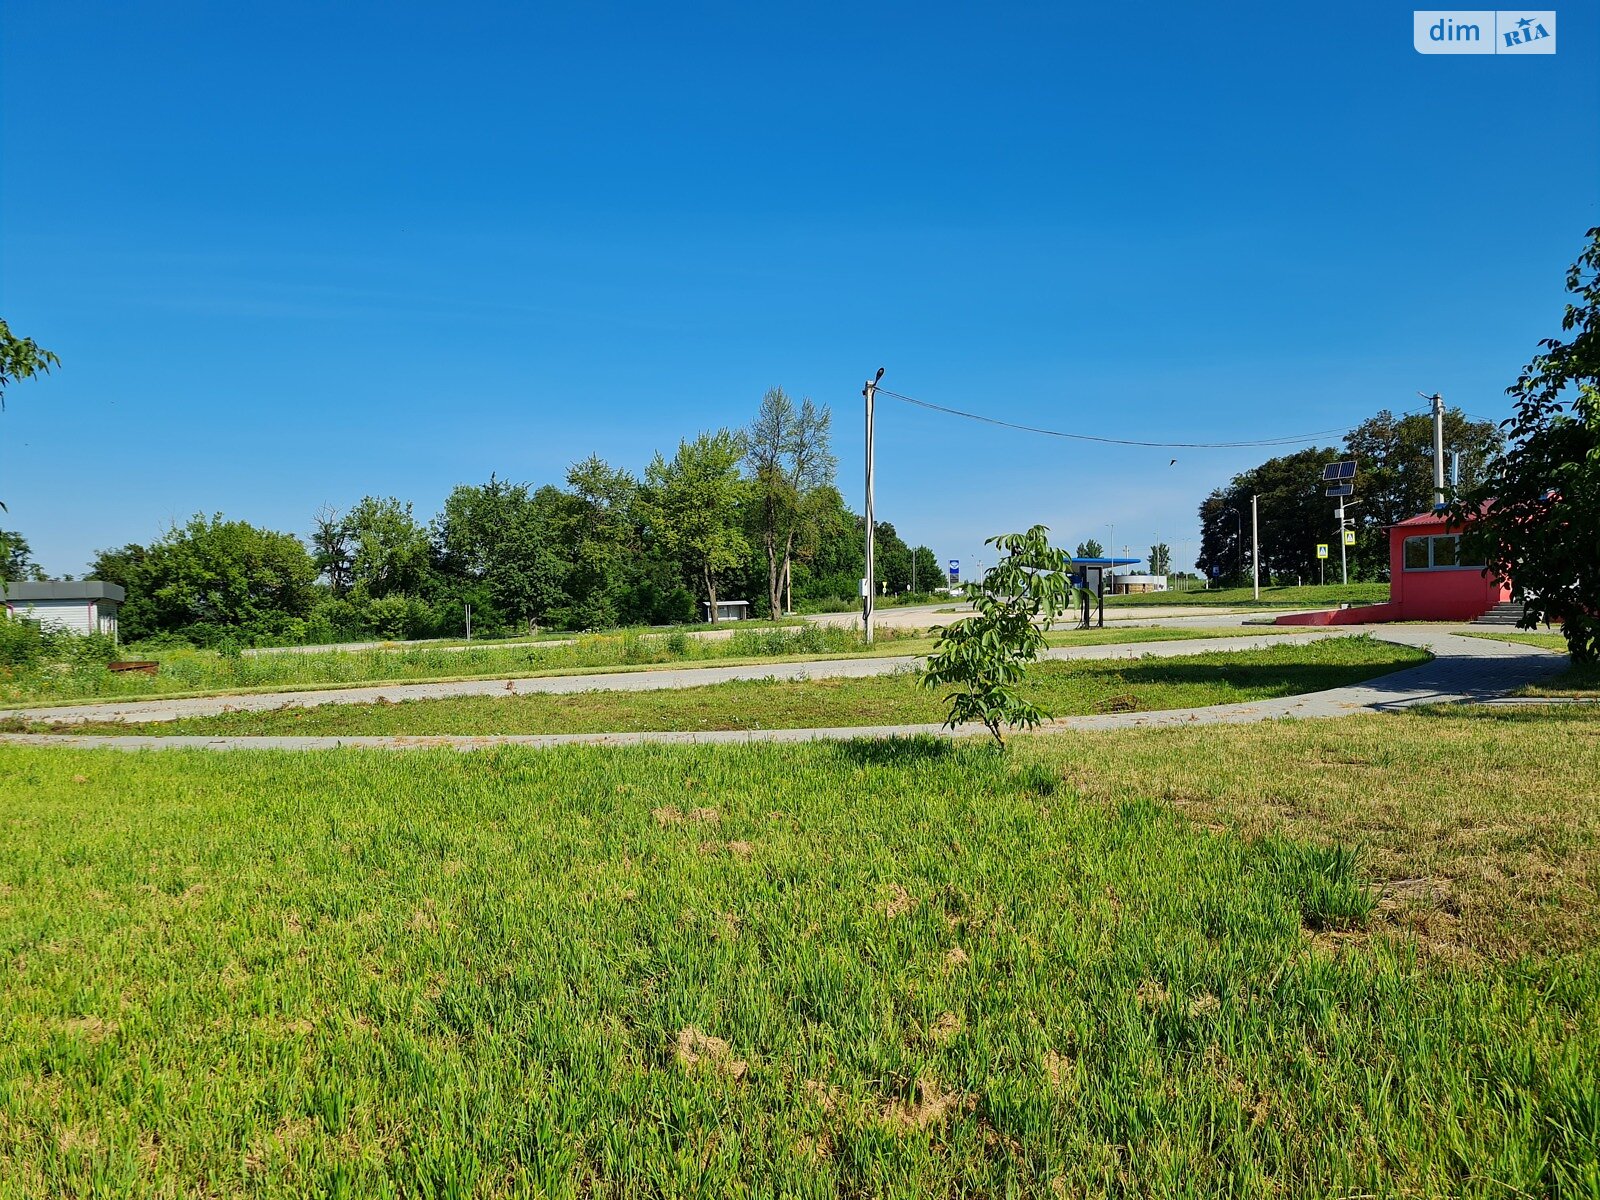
(869, 391)
(1238, 535)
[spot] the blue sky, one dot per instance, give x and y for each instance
(294, 254)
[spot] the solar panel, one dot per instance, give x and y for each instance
(1334, 472)
(1341, 489)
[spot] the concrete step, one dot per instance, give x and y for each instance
(1506, 613)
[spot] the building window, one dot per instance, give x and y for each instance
(1438, 553)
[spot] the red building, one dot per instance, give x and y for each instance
(1428, 580)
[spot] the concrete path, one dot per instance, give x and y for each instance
(1463, 670)
(650, 680)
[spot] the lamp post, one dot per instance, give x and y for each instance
(868, 584)
(1238, 535)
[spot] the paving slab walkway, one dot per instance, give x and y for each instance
(1463, 669)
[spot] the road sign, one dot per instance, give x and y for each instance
(1349, 537)
(1322, 549)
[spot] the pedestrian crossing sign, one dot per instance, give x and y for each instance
(1322, 549)
(1349, 537)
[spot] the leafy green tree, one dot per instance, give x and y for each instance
(598, 529)
(1293, 517)
(788, 453)
(984, 658)
(829, 557)
(929, 571)
(891, 559)
(1089, 548)
(20, 358)
(389, 554)
(1160, 559)
(1535, 518)
(693, 504)
(496, 541)
(330, 549)
(16, 559)
(212, 580)
(125, 567)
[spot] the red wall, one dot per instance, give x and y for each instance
(1453, 595)
(1458, 595)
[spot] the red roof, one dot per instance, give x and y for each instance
(1435, 518)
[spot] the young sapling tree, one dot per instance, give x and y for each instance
(983, 659)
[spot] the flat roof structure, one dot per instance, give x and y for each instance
(1098, 566)
(66, 589)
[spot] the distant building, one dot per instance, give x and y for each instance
(727, 610)
(83, 606)
(1431, 578)
(1129, 584)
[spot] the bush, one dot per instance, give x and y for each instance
(26, 646)
(21, 642)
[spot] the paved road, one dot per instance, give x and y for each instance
(654, 679)
(1463, 669)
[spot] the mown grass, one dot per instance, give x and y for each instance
(1545, 641)
(1061, 689)
(1310, 596)
(186, 672)
(898, 968)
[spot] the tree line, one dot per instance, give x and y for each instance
(1394, 481)
(750, 514)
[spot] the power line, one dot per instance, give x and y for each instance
(1111, 441)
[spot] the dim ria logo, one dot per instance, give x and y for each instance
(1473, 31)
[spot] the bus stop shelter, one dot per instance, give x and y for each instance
(1090, 575)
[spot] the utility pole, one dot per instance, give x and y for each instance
(1439, 450)
(868, 584)
(1344, 567)
(1255, 548)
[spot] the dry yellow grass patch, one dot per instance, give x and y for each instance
(1480, 826)
(694, 1049)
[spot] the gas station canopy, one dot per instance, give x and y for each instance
(1091, 573)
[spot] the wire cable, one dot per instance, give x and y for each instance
(1111, 441)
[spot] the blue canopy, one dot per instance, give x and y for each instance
(1105, 562)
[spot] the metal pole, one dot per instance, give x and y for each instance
(869, 585)
(1438, 450)
(1344, 567)
(1255, 549)
(468, 607)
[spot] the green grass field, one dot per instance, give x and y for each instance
(1347, 957)
(187, 672)
(1062, 689)
(1311, 596)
